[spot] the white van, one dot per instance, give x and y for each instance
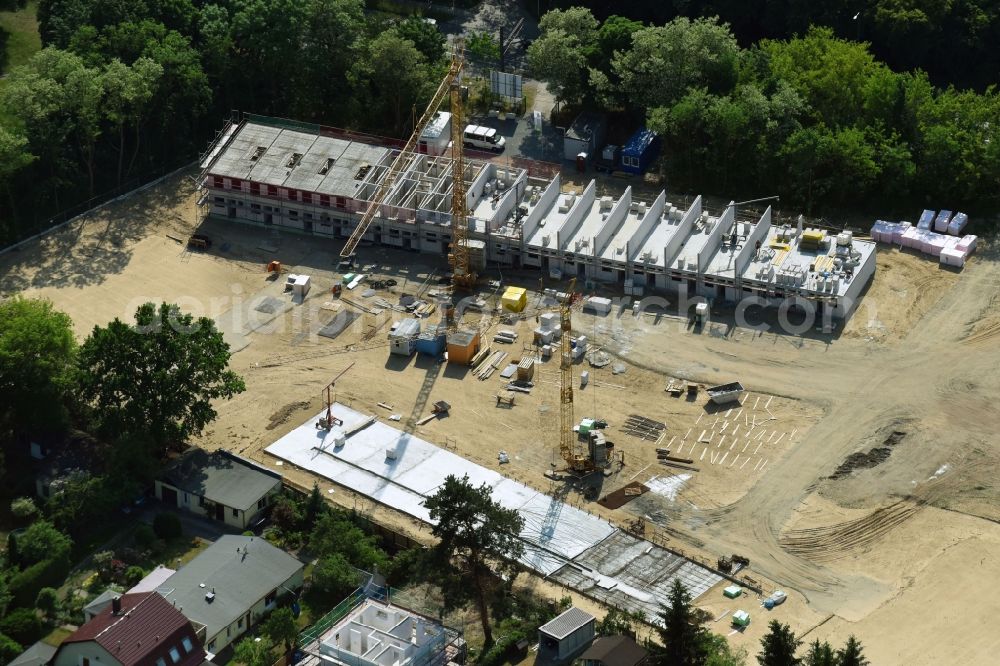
(483, 138)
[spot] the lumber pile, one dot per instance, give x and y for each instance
(484, 371)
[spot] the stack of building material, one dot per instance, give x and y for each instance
(526, 369)
(941, 221)
(548, 328)
(957, 251)
(598, 305)
(926, 220)
(514, 299)
(889, 232)
(957, 224)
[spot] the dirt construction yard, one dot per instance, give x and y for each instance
(858, 473)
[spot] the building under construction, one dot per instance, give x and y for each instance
(312, 180)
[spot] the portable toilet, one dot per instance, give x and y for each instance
(514, 299)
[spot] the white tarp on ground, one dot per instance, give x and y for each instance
(554, 531)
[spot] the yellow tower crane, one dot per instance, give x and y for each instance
(575, 456)
(463, 277)
(451, 87)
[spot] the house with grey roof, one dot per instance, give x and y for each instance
(565, 636)
(219, 485)
(231, 586)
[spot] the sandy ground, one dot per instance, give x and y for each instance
(900, 548)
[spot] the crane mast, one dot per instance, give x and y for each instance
(463, 277)
(569, 448)
(405, 156)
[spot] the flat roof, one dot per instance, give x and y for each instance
(623, 235)
(723, 260)
(593, 221)
(639, 142)
(297, 159)
(553, 223)
(437, 125)
(797, 258)
(663, 230)
(584, 125)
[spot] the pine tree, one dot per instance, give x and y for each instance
(682, 633)
(820, 654)
(778, 646)
(314, 506)
(852, 654)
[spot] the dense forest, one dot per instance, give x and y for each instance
(755, 101)
(814, 118)
(954, 41)
(127, 89)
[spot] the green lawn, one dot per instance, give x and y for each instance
(57, 636)
(24, 40)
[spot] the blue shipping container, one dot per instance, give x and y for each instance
(641, 149)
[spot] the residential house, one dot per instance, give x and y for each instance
(614, 651)
(220, 485)
(135, 630)
(39, 654)
(231, 585)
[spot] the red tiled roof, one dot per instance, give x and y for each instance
(145, 629)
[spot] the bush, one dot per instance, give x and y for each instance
(24, 509)
(334, 576)
(133, 575)
(144, 536)
(103, 564)
(47, 601)
(23, 625)
(25, 586)
(9, 649)
(42, 541)
(167, 526)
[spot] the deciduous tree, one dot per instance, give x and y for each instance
(42, 541)
(254, 651)
(280, 627)
(158, 377)
(37, 355)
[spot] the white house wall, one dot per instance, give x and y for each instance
(759, 233)
(574, 218)
(684, 229)
(649, 221)
(614, 222)
(546, 202)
